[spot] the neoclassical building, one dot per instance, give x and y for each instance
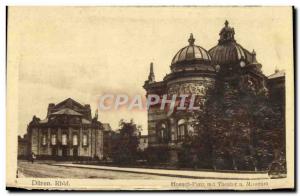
(195, 70)
(68, 132)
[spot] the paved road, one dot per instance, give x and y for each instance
(68, 170)
(175, 173)
(43, 170)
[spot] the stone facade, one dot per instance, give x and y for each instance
(67, 132)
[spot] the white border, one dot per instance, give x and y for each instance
(4, 3)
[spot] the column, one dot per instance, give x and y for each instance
(58, 140)
(70, 142)
(38, 141)
(91, 145)
(49, 141)
(173, 156)
(80, 141)
(173, 130)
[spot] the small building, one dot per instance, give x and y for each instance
(67, 132)
(276, 86)
(23, 148)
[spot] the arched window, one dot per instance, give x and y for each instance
(181, 129)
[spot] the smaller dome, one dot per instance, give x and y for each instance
(191, 52)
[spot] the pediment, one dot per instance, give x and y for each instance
(69, 103)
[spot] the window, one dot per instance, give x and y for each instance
(181, 131)
(53, 139)
(64, 139)
(162, 133)
(44, 140)
(75, 140)
(84, 140)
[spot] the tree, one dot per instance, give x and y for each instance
(239, 129)
(126, 145)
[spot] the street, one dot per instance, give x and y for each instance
(81, 171)
(44, 170)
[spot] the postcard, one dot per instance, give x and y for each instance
(150, 98)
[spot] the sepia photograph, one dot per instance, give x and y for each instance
(150, 98)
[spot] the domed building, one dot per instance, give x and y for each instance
(192, 73)
(226, 82)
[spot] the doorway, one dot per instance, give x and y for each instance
(54, 151)
(64, 151)
(75, 151)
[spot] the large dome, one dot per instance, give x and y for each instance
(191, 53)
(228, 51)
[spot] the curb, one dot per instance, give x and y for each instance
(156, 173)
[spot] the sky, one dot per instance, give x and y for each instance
(84, 52)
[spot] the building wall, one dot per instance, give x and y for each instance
(34, 141)
(85, 151)
(94, 147)
(23, 149)
(276, 88)
(156, 116)
(96, 143)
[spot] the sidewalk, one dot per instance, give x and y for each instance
(175, 173)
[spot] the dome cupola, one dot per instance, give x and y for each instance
(228, 51)
(191, 54)
(191, 61)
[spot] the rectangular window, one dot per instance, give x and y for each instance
(64, 139)
(75, 140)
(53, 139)
(84, 140)
(44, 140)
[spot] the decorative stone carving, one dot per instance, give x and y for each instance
(197, 88)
